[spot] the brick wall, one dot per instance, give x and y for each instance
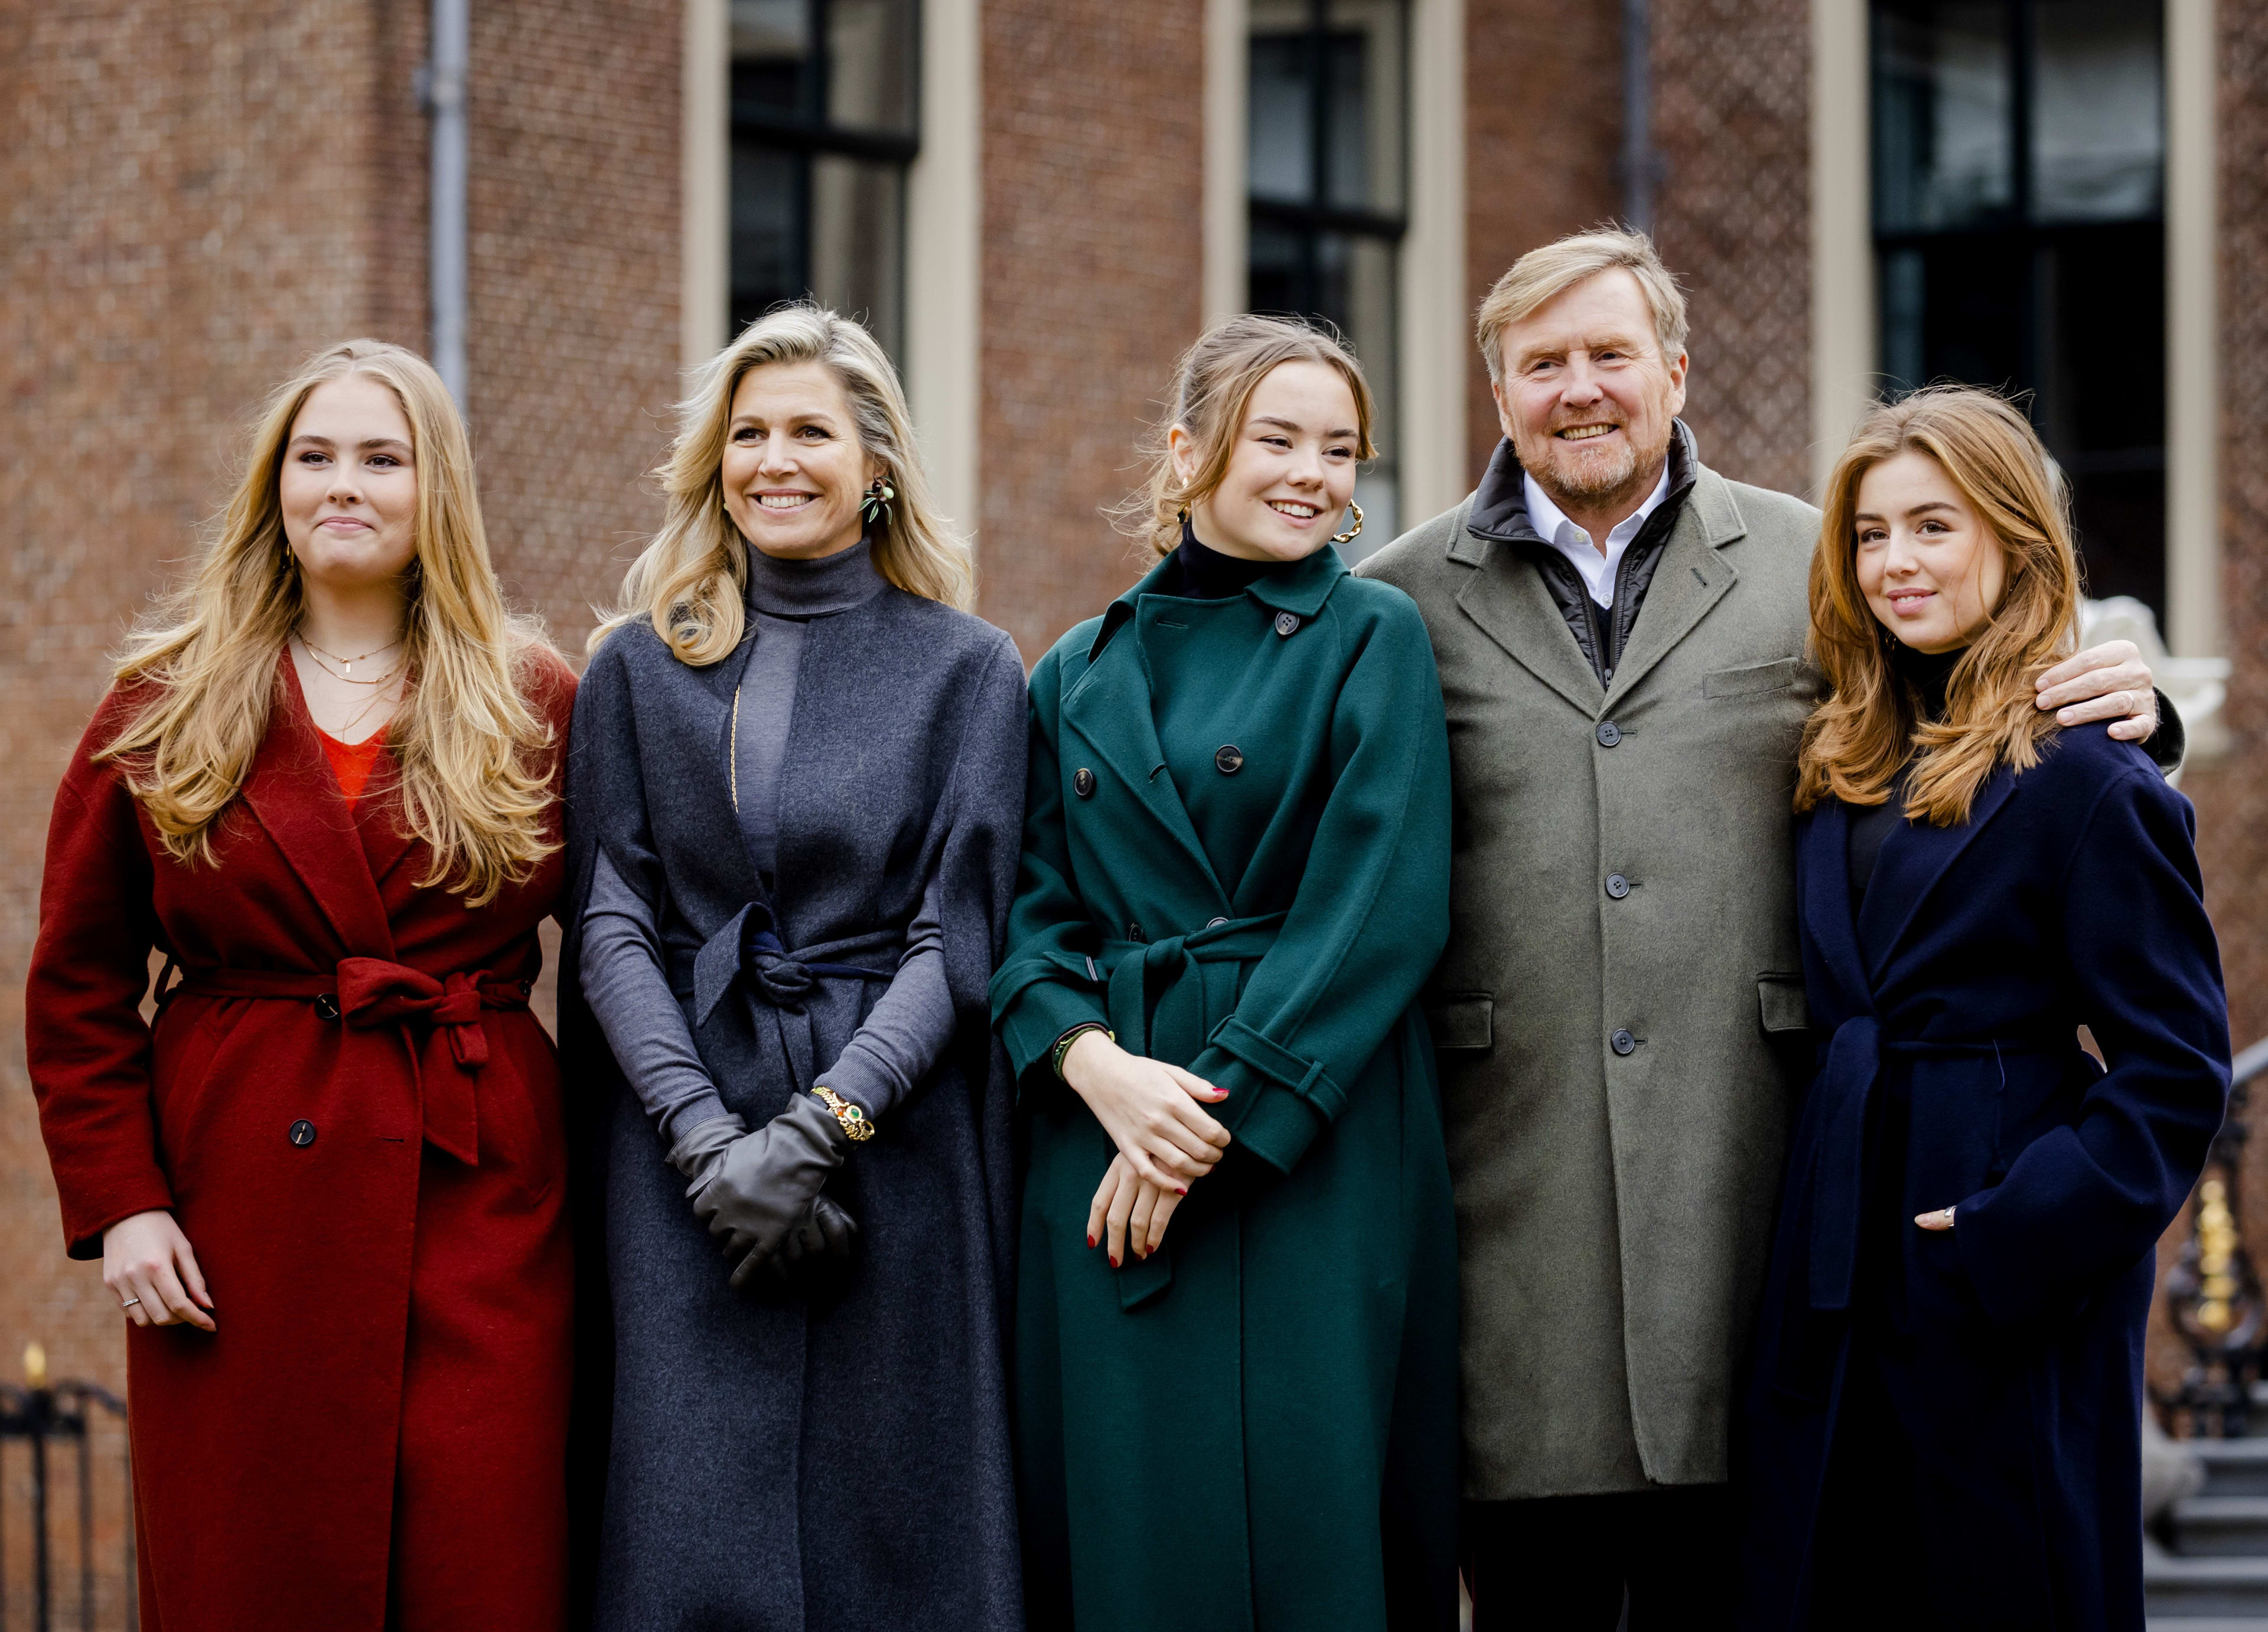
(1732, 216)
(1092, 257)
(572, 332)
(2232, 794)
(1543, 121)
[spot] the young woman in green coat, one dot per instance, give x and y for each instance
(1236, 1342)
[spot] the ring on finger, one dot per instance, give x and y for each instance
(129, 1302)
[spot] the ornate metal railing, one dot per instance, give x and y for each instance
(2213, 1290)
(45, 1414)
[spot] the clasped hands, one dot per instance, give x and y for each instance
(759, 1192)
(1154, 1113)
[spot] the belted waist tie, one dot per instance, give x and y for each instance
(438, 1016)
(747, 953)
(1158, 993)
(1846, 1081)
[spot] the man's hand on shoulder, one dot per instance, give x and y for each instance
(2105, 682)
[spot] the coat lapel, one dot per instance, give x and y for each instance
(1691, 577)
(293, 793)
(1508, 599)
(1914, 857)
(1824, 900)
(1110, 710)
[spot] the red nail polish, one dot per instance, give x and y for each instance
(1181, 1189)
(1090, 1240)
(1113, 1263)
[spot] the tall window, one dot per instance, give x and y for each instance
(2019, 218)
(1326, 165)
(823, 129)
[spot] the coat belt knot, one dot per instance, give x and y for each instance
(1159, 995)
(375, 992)
(749, 952)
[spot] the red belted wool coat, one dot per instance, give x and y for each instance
(349, 1108)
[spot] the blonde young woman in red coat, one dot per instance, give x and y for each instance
(325, 1184)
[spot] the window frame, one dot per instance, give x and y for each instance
(809, 134)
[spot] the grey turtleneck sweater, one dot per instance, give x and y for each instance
(622, 972)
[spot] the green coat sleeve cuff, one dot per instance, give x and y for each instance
(1278, 1101)
(1039, 1015)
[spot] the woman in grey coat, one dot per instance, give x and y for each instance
(795, 787)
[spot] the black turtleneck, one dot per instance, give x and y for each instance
(1204, 574)
(1926, 675)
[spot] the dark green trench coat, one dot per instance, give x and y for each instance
(1236, 853)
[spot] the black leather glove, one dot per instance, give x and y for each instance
(753, 1189)
(816, 1259)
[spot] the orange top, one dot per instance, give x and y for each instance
(351, 761)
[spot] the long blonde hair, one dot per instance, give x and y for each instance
(472, 783)
(689, 581)
(1213, 382)
(1868, 727)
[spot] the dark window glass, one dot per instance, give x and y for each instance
(2019, 187)
(823, 129)
(1325, 168)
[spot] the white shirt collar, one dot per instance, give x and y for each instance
(1597, 568)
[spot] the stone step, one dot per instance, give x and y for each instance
(2221, 1526)
(2233, 1468)
(2174, 1588)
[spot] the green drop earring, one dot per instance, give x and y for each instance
(875, 507)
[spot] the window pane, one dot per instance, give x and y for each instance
(870, 67)
(1363, 111)
(2102, 403)
(767, 212)
(770, 39)
(1943, 131)
(2075, 320)
(2098, 115)
(857, 251)
(1282, 140)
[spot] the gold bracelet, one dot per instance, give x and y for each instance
(856, 1127)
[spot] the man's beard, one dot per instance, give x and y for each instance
(1593, 480)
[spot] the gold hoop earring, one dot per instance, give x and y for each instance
(1353, 532)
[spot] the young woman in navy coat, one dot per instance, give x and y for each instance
(1943, 1427)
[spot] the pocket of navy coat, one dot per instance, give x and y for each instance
(1778, 675)
(1781, 1006)
(1465, 1020)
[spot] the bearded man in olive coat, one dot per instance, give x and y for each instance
(1620, 1014)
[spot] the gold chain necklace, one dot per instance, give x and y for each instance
(324, 659)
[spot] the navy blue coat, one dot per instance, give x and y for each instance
(1949, 1009)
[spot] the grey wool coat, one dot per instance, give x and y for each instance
(1620, 1012)
(749, 1464)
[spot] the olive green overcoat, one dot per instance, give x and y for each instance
(1620, 1012)
(1236, 854)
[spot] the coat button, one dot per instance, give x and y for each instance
(1228, 758)
(327, 1007)
(1134, 933)
(302, 1134)
(1082, 782)
(1609, 733)
(1622, 1041)
(1287, 623)
(1617, 885)
(1214, 923)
